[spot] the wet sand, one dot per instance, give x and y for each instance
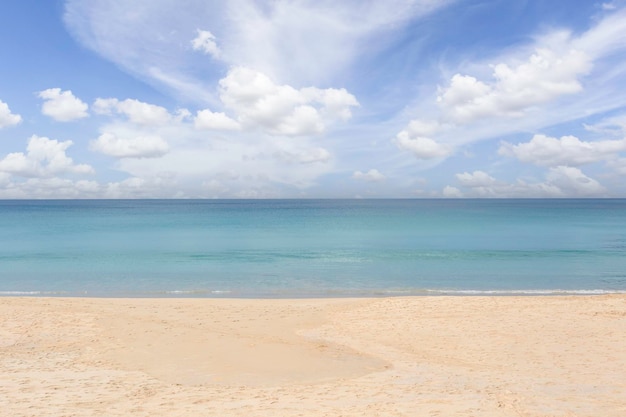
(418, 356)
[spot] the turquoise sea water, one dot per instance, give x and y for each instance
(311, 248)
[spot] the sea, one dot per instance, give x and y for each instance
(305, 248)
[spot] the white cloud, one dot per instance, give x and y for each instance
(206, 43)
(527, 87)
(150, 146)
(137, 111)
(464, 91)
(423, 128)
(141, 134)
(476, 179)
(573, 182)
(417, 138)
(568, 150)
(51, 188)
(305, 42)
(618, 165)
(305, 156)
(606, 38)
(614, 126)
(206, 119)
(422, 147)
(297, 42)
(258, 161)
(55, 187)
(62, 105)
(44, 157)
(252, 162)
(561, 181)
(373, 175)
(256, 102)
(6, 117)
(160, 186)
(5, 179)
(451, 192)
(282, 109)
(545, 76)
(215, 187)
(336, 102)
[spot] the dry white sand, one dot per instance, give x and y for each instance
(421, 356)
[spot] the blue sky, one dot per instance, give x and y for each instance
(290, 99)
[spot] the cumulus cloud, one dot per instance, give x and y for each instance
(62, 105)
(137, 111)
(572, 181)
(568, 150)
(6, 117)
(525, 88)
(206, 119)
(476, 179)
(44, 157)
(560, 181)
(262, 162)
(451, 192)
(546, 76)
(423, 128)
(373, 175)
(206, 42)
(417, 138)
(281, 109)
(422, 147)
(148, 146)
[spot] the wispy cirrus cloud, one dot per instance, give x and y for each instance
(298, 43)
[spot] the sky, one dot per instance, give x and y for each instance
(312, 99)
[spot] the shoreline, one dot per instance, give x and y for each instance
(374, 294)
(560, 355)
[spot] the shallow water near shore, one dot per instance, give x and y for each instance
(311, 248)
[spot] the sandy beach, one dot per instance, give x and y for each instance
(419, 356)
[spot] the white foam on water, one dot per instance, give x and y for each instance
(525, 292)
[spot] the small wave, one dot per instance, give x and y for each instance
(15, 293)
(196, 292)
(20, 292)
(328, 292)
(526, 292)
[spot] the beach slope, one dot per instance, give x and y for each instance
(418, 356)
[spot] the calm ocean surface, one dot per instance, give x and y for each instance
(311, 248)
